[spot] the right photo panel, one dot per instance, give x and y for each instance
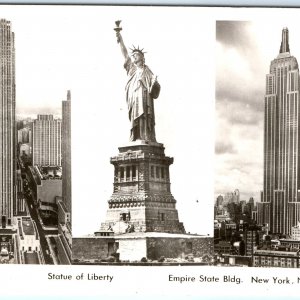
(257, 184)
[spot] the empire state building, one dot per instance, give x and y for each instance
(7, 122)
(280, 206)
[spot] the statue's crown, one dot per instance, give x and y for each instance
(135, 50)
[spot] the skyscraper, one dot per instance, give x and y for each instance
(46, 144)
(7, 120)
(66, 151)
(280, 207)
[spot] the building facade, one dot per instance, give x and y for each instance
(280, 259)
(280, 207)
(64, 239)
(142, 199)
(46, 144)
(47, 186)
(66, 152)
(28, 242)
(23, 135)
(296, 232)
(7, 121)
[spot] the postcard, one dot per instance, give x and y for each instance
(149, 151)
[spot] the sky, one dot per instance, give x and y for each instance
(212, 90)
(212, 78)
(60, 48)
(100, 124)
(174, 54)
(244, 51)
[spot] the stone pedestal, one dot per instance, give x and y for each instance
(132, 247)
(142, 199)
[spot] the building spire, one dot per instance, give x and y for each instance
(284, 47)
(69, 95)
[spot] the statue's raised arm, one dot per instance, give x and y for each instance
(142, 87)
(120, 40)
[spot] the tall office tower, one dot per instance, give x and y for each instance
(46, 144)
(8, 123)
(280, 207)
(66, 152)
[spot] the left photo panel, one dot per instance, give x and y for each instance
(35, 157)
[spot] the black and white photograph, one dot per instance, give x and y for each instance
(257, 221)
(138, 192)
(136, 112)
(35, 140)
(135, 190)
(149, 151)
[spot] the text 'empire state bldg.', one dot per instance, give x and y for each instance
(280, 206)
(7, 122)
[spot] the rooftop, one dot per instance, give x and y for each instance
(137, 235)
(27, 226)
(31, 258)
(289, 241)
(276, 252)
(49, 172)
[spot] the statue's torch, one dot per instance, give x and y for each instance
(118, 29)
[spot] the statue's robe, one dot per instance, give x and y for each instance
(141, 89)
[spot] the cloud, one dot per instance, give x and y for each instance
(242, 171)
(224, 147)
(240, 76)
(237, 81)
(233, 33)
(242, 91)
(243, 55)
(241, 113)
(240, 83)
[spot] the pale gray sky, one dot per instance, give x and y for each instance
(74, 47)
(176, 54)
(244, 52)
(60, 48)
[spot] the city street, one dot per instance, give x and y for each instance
(34, 215)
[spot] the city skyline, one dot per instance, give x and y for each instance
(31, 175)
(244, 51)
(83, 57)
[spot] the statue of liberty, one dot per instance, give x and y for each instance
(142, 87)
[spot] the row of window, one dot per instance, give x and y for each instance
(130, 172)
(274, 261)
(159, 172)
(126, 216)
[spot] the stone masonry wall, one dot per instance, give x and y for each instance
(178, 247)
(91, 248)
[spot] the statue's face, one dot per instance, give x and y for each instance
(137, 57)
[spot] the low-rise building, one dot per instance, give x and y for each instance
(28, 241)
(25, 149)
(223, 247)
(290, 243)
(24, 135)
(47, 186)
(223, 218)
(296, 232)
(64, 239)
(274, 258)
(234, 260)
